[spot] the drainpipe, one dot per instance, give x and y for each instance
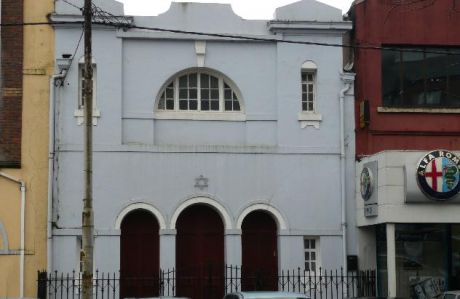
(348, 80)
(51, 154)
(22, 187)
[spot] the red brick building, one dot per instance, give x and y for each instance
(11, 83)
(407, 92)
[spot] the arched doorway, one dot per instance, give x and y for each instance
(259, 252)
(200, 253)
(139, 255)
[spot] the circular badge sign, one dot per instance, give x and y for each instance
(366, 183)
(438, 175)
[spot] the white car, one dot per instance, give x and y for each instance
(451, 295)
(265, 295)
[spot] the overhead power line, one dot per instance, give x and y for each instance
(71, 4)
(101, 16)
(126, 26)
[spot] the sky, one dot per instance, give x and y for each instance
(247, 9)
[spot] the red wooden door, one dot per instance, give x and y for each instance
(139, 255)
(200, 254)
(259, 252)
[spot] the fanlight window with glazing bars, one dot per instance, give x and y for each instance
(199, 91)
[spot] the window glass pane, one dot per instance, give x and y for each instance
(304, 77)
(313, 266)
(312, 243)
(204, 94)
(227, 94)
(183, 105)
(183, 81)
(391, 78)
(236, 106)
(204, 81)
(436, 65)
(205, 105)
(192, 80)
(307, 256)
(161, 103)
(304, 88)
(214, 105)
(453, 79)
(455, 256)
(306, 243)
(183, 94)
(214, 82)
(214, 93)
(310, 106)
(313, 255)
(193, 94)
(169, 93)
(307, 266)
(309, 77)
(414, 75)
(193, 105)
(228, 105)
(170, 104)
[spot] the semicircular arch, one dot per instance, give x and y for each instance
(280, 221)
(140, 206)
(218, 207)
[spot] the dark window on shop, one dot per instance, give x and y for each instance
(421, 77)
(427, 259)
(382, 273)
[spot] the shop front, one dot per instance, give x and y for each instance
(408, 212)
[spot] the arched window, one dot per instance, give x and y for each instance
(199, 91)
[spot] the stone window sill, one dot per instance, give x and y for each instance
(80, 115)
(417, 110)
(224, 116)
(309, 119)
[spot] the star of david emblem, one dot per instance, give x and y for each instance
(201, 182)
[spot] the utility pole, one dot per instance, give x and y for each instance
(86, 255)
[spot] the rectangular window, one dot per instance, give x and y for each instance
(188, 92)
(308, 90)
(421, 77)
(311, 249)
(209, 93)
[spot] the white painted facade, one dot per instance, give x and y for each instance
(268, 156)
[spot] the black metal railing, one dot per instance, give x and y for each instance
(321, 284)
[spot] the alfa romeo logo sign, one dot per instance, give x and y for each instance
(438, 175)
(366, 183)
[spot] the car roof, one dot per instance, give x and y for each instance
(269, 294)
